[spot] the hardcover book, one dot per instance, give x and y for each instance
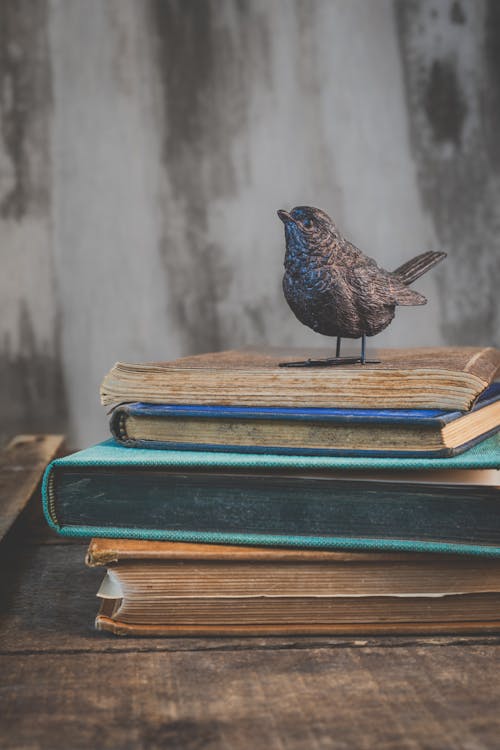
(324, 502)
(165, 588)
(313, 431)
(449, 379)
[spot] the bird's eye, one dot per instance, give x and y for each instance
(307, 223)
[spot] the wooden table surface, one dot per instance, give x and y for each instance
(64, 685)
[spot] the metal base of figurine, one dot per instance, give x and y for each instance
(330, 362)
(337, 360)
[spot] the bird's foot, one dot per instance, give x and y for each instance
(330, 362)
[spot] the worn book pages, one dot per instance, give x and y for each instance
(171, 588)
(440, 378)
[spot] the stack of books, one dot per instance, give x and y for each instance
(237, 496)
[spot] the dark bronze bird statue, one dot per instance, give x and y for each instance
(337, 290)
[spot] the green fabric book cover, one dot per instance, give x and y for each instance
(281, 500)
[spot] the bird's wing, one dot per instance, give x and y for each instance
(353, 255)
(372, 284)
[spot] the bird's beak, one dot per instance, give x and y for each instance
(285, 216)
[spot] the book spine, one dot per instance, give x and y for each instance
(173, 512)
(49, 498)
(118, 425)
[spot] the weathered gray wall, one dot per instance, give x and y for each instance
(145, 146)
(32, 393)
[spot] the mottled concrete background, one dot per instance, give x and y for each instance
(146, 144)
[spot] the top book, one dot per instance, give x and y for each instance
(449, 378)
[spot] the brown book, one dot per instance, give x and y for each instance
(192, 589)
(448, 378)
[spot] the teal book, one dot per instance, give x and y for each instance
(329, 502)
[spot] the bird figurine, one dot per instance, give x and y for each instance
(337, 290)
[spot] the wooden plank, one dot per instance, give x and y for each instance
(318, 698)
(48, 603)
(22, 464)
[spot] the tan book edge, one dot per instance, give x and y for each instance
(105, 623)
(104, 551)
(443, 378)
(305, 611)
(145, 583)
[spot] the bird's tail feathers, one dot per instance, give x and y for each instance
(416, 267)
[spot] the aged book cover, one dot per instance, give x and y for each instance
(171, 588)
(308, 431)
(448, 505)
(429, 378)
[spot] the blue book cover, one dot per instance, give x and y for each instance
(419, 425)
(255, 499)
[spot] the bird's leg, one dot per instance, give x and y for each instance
(363, 360)
(337, 353)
